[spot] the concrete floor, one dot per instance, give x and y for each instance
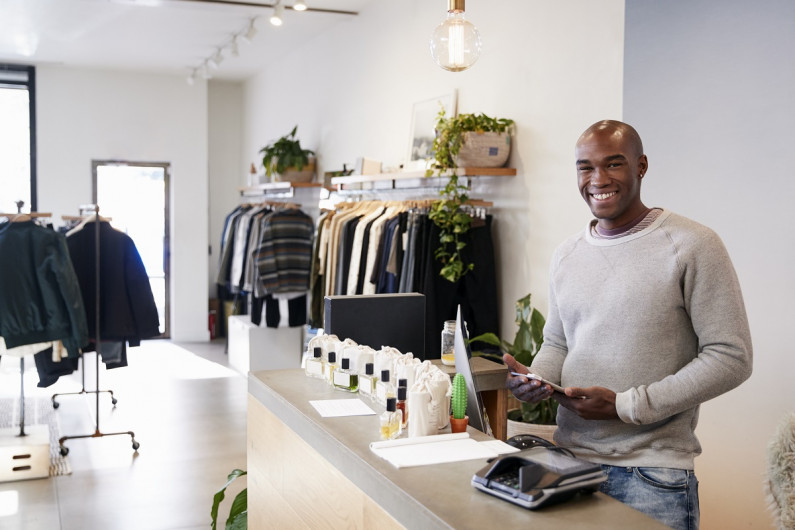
(187, 409)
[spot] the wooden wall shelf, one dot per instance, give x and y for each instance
(342, 183)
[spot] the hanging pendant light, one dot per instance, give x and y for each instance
(455, 43)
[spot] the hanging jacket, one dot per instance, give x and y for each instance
(127, 306)
(40, 297)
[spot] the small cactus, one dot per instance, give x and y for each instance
(459, 397)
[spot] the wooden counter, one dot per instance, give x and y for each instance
(305, 471)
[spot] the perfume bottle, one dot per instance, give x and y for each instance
(367, 382)
(384, 388)
(448, 343)
(345, 378)
(401, 407)
(315, 364)
(331, 366)
(390, 420)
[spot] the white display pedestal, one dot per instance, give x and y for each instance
(24, 457)
(253, 348)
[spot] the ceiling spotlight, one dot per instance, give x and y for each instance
(455, 43)
(299, 5)
(276, 17)
(248, 36)
(233, 49)
(218, 58)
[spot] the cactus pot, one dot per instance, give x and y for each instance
(458, 425)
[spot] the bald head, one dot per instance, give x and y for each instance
(616, 129)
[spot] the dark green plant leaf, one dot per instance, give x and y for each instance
(219, 496)
(238, 513)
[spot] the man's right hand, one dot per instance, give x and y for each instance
(524, 388)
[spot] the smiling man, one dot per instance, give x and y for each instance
(646, 322)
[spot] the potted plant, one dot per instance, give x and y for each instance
(458, 404)
(238, 513)
(475, 140)
(286, 160)
(534, 418)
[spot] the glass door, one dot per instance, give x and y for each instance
(135, 196)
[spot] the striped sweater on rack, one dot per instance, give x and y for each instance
(283, 255)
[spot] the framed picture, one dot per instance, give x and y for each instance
(423, 122)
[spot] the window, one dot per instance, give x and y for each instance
(17, 138)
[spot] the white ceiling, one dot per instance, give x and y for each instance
(165, 36)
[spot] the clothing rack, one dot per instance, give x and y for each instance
(97, 433)
(18, 218)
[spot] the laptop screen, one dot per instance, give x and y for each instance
(463, 355)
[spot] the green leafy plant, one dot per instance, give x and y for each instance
(458, 400)
(449, 213)
(453, 222)
(238, 513)
(524, 348)
(283, 153)
(450, 136)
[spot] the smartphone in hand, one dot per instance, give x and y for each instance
(556, 388)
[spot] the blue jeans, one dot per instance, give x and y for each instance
(668, 495)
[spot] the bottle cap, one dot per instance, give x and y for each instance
(346, 363)
(403, 382)
(385, 376)
(402, 393)
(391, 404)
(332, 356)
(318, 352)
(368, 368)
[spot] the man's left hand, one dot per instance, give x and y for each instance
(592, 403)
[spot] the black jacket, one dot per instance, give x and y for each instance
(127, 305)
(40, 297)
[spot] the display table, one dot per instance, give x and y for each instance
(305, 471)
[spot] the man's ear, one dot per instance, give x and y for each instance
(643, 165)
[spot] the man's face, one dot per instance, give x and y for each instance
(608, 175)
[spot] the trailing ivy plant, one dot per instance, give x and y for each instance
(448, 213)
(453, 223)
(283, 153)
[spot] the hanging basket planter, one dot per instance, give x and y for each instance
(293, 174)
(484, 149)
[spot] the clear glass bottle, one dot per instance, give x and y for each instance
(367, 382)
(390, 420)
(401, 406)
(448, 343)
(331, 365)
(345, 378)
(384, 388)
(315, 365)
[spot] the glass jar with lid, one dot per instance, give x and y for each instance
(448, 343)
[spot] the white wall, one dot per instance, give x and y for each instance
(84, 115)
(227, 170)
(351, 92)
(710, 88)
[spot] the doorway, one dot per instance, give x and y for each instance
(135, 195)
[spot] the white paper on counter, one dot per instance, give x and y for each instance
(336, 408)
(498, 446)
(427, 450)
